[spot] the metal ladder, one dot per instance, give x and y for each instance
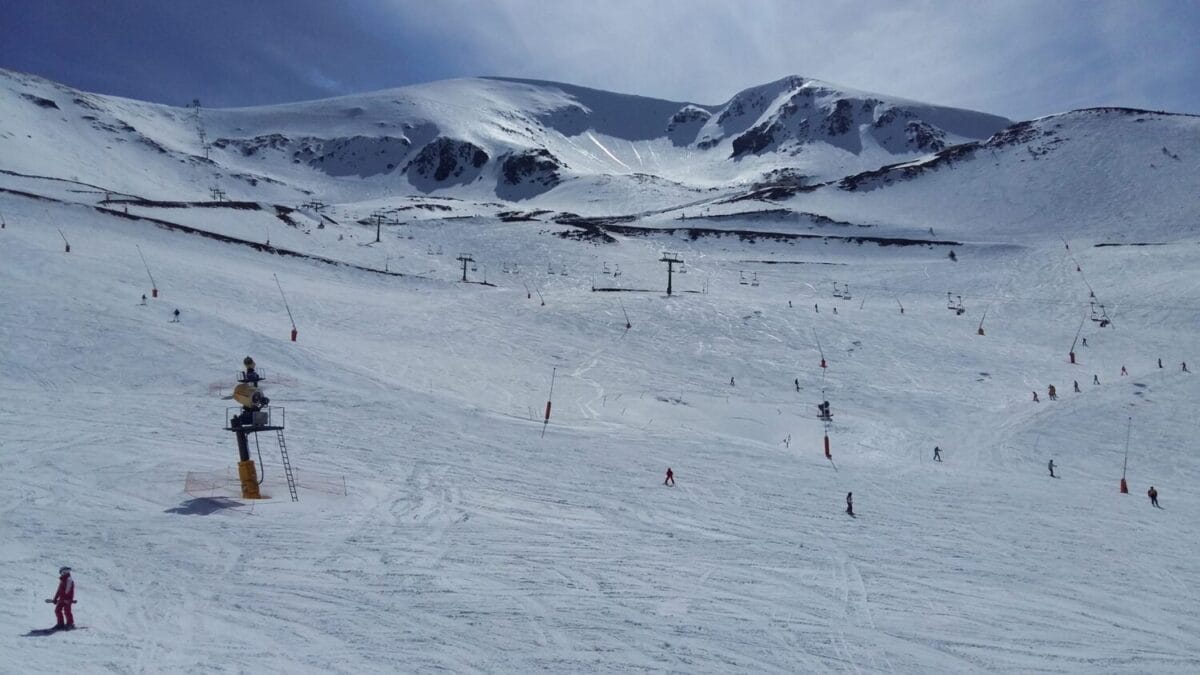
(287, 465)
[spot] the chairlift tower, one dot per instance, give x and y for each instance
(672, 259)
(465, 258)
(256, 415)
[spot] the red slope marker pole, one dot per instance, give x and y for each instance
(1124, 485)
(285, 306)
(546, 421)
(153, 286)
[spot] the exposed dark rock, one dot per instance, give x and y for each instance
(39, 101)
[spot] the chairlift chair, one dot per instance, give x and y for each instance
(1095, 316)
(742, 278)
(606, 270)
(617, 271)
(682, 269)
(846, 292)
(1104, 320)
(755, 281)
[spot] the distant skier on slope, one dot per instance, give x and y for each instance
(937, 454)
(1084, 342)
(670, 479)
(1184, 366)
(797, 382)
(63, 598)
(1153, 495)
(1035, 398)
(850, 503)
(1076, 386)
(1123, 371)
(731, 381)
(176, 315)
(1160, 363)
(1095, 379)
(1051, 467)
(1052, 393)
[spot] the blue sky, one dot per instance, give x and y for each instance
(1018, 58)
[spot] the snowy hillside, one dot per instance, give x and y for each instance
(484, 138)
(442, 526)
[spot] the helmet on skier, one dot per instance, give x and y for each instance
(64, 570)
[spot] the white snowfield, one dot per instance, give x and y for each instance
(468, 541)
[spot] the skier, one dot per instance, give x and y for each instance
(251, 374)
(143, 298)
(1051, 466)
(1076, 386)
(63, 598)
(817, 307)
(835, 310)
(1052, 393)
(797, 382)
(1035, 398)
(937, 454)
(1084, 342)
(1160, 363)
(850, 503)
(789, 304)
(176, 319)
(1153, 494)
(1123, 371)
(731, 381)
(1095, 379)
(1184, 366)
(670, 479)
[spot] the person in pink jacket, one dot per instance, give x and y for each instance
(63, 597)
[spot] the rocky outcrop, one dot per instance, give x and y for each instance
(445, 161)
(528, 173)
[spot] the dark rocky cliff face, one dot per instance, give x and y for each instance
(445, 161)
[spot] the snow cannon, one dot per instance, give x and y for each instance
(255, 415)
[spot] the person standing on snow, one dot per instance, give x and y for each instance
(1051, 467)
(850, 503)
(1052, 393)
(1153, 494)
(1095, 379)
(63, 598)
(670, 479)
(1076, 386)
(937, 454)
(1123, 371)
(1035, 398)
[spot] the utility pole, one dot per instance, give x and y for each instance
(465, 258)
(672, 259)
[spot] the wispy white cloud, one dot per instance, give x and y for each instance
(1020, 58)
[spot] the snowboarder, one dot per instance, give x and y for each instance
(1153, 495)
(63, 598)
(850, 503)
(1095, 379)
(797, 383)
(176, 315)
(1076, 386)
(1052, 393)
(937, 454)
(1051, 467)
(1035, 398)
(670, 479)
(1123, 371)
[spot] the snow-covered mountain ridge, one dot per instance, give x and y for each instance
(516, 138)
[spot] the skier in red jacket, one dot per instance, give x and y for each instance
(670, 480)
(63, 597)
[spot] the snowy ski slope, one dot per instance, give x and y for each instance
(467, 541)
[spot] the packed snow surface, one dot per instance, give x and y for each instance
(441, 525)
